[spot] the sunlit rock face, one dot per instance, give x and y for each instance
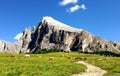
(21, 46)
(10, 47)
(25, 40)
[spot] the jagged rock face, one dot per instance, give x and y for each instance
(99, 44)
(51, 34)
(25, 39)
(48, 36)
(21, 46)
(10, 47)
(81, 41)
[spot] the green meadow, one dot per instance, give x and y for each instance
(63, 64)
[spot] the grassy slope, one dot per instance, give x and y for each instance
(35, 66)
(60, 66)
(111, 64)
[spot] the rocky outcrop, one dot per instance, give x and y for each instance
(21, 46)
(52, 34)
(10, 47)
(25, 40)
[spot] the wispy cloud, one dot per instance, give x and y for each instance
(76, 7)
(17, 37)
(66, 2)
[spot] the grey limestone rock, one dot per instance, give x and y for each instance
(9, 47)
(21, 46)
(25, 39)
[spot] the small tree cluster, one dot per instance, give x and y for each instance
(43, 51)
(106, 53)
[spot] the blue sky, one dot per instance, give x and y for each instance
(100, 17)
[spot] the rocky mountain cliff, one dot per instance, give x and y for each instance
(21, 46)
(10, 47)
(52, 34)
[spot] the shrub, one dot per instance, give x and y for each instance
(106, 53)
(43, 51)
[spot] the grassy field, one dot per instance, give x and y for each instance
(111, 64)
(35, 66)
(40, 65)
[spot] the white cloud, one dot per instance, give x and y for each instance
(76, 7)
(83, 7)
(66, 2)
(17, 37)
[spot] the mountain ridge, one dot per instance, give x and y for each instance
(52, 34)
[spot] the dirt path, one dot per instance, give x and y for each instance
(91, 70)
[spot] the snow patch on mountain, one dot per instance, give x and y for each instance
(59, 25)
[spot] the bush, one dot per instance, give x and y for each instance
(106, 53)
(43, 51)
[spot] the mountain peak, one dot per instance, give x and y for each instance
(59, 25)
(53, 34)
